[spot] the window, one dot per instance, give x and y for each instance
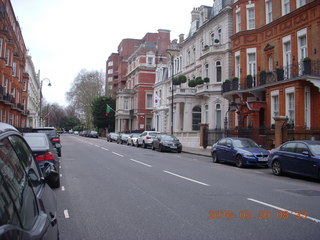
(11, 119)
(218, 71)
(110, 71)
(238, 20)
(270, 63)
(268, 11)
(301, 3)
(24, 85)
(290, 112)
(196, 118)
(110, 79)
(285, 7)
(251, 63)
(206, 117)
(206, 70)
(149, 103)
(301, 147)
(110, 63)
(287, 57)
(220, 36)
(1, 44)
(274, 105)
(237, 64)
(18, 180)
(212, 38)
(250, 17)
(194, 55)
(148, 124)
(302, 44)
(150, 60)
(288, 147)
(218, 116)
(126, 103)
(7, 56)
(307, 107)
(3, 116)
(14, 69)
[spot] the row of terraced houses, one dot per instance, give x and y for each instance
(246, 68)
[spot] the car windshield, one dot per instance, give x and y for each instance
(315, 148)
(135, 135)
(244, 143)
(49, 132)
(94, 132)
(168, 138)
(37, 141)
(153, 134)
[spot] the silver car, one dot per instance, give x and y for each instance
(146, 138)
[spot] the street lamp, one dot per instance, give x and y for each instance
(172, 52)
(49, 85)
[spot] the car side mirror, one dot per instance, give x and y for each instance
(50, 174)
(229, 145)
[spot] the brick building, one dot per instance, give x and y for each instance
(275, 50)
(134, 102)
(13, 78)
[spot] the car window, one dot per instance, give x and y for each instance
(315, 148)
(17, 181)
(153, 134)
(289, 147)
(222, 142)
(228, 142)
(244, 143)
(301, 147)
(8, 214)
(36, 141)
(25, 156)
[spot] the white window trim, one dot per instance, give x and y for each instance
(307, 113)
(250, 6)
(273, 94)
(237, 54)
(238, 24)
(298, 4)
(283, 8)
(301, 33)
(266, 3)
(289, 91)
(250, 51)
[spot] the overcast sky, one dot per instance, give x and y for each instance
(65, 36)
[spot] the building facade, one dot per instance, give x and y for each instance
(33, 94)
(134, 102)
(204, 60)
(275, 67)
(13, 78)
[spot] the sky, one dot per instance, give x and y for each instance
(65, 36)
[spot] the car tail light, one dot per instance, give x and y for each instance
(55, 139)
(44, 157)
(148, 138)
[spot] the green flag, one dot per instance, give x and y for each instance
(108, 109)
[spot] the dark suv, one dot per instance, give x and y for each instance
(53, 136)
(28, 206)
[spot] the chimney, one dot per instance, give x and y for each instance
(181, 38)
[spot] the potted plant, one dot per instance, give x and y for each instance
(199, 81)
(306, 65)
(182, 79)
(280, 74)
(175, 81)
(192, 83)
(226, 86)
(206, 79)
(263, 77)
(249, 81)
(235, 83)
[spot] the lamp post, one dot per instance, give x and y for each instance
(49, 85)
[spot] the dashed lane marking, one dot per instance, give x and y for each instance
(189, 179)
(140, 162)
(66, 214)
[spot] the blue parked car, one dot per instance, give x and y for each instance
(297, 157)
(241, 151)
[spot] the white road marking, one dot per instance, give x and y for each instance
(60, 175)
(97, 145)
(105, 149)
(62, 188)
(189, 179)
(140, 162)
(66, 214)
(59, 166)
(117, 154)
(282, 209)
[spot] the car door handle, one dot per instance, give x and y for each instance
(53, 220)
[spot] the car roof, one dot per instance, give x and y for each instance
(4, 127)
(304, 141)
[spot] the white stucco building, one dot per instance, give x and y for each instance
(33, 95)
(205, 53)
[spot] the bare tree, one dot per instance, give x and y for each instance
(87, 86)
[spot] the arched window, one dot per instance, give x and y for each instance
(196, 118)
(218, 71)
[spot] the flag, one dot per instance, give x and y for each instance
(47, 116)
(156, 101)
(108, 109)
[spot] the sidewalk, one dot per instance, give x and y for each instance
(198, 151)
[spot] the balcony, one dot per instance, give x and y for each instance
(289, 72)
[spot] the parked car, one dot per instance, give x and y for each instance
(28, 205)
(241, 151)
(165, 142)
(112, 137)
(146, 138)
(53, 136)
(123, 138)
(43, 152)
(132, 139)
(93, 134)
(297, 157)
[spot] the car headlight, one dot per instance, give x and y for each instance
(248, 155)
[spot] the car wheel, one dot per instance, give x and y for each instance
(160, 148)
(137, 144)
(214, 158)
(179, 151)
(276, 168)
(239, 162)
(144, 144)
(152, 147)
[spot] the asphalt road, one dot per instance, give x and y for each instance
(112, 191)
